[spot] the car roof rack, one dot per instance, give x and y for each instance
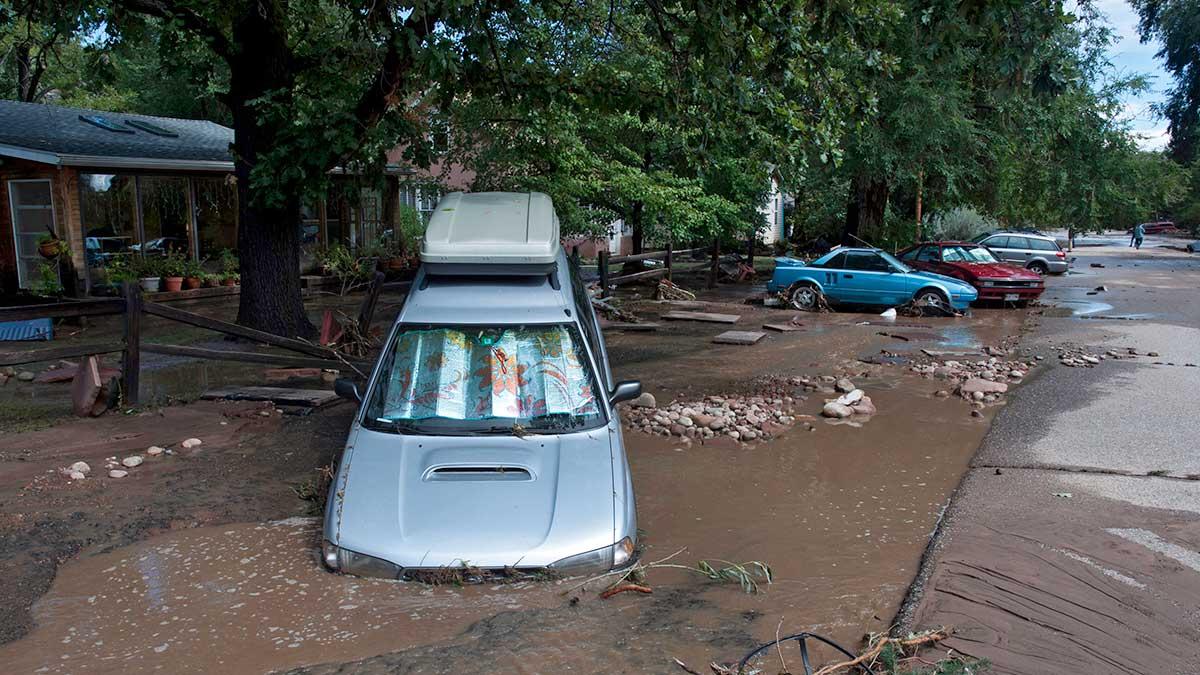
(492, 234)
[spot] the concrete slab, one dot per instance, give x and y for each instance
(738, 337)
(702, 316)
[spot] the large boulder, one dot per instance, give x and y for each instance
(837, 410)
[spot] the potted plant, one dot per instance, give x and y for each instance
(50, 246)
(118, 271)
(172, 269)
(193, 274)
(229, 267)
(149, 272)
(48, 283)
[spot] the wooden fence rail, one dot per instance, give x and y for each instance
(668, 256)
(132, 306)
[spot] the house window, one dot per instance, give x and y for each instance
(216, 216)
(165, 220)
(33, 217)
(108, 213)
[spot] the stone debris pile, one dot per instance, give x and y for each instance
(981, 381)
(742, 418)
(121, 467)
(853, 401)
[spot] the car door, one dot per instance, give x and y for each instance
(870, 280)
(999, 246)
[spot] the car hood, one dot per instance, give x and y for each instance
(995, 271)
(427, 502)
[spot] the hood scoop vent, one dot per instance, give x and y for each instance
(493, 473)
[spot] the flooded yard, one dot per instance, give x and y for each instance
(841, 512)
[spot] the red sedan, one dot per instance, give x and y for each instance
(978, 266)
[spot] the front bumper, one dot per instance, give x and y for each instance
(1001, 292)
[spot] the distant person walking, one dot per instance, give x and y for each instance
(1139, 233)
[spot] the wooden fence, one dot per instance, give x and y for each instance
(132, 306)
(668, 256)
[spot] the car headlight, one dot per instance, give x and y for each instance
(598, 561)
(339, 559)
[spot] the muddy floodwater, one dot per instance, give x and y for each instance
(841, 513)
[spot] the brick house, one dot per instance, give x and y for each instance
(115, 185)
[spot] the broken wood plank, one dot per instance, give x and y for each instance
(702, 316)
(627, 326)
(56, 353)
(739, 337)
(312, 398)
(933, 353)
(782, 327)
(201, 321)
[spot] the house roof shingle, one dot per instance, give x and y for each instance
(58, 130)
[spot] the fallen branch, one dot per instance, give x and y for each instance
(625, 587)
(876, 648)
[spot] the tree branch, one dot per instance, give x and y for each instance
(194, 22)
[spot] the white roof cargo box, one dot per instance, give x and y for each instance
(492, 233)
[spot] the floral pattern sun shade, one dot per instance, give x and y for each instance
(469, 374)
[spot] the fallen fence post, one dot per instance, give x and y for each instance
(131, 360)
(367, 311)
(234, 329)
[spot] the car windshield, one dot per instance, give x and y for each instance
(974, 254)
(456, 380)
(895, 261)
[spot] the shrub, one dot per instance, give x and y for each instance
(957, 224)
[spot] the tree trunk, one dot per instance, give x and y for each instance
(920, 186)
(268, 232)
(864, 212)
(635, 222)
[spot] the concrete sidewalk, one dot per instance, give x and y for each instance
(1073, 544)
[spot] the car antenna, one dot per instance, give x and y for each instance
(864, 241)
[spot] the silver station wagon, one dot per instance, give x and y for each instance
(487, 437)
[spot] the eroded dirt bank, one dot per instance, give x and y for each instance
(841, 512)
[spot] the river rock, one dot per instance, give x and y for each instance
(132, 461)
(844, 386)
(154, 451)
(982, 386)
(864, 406)
(81, 467)
(25, 376)
(851, 397)
(118, 473)
(717, 424)
(191, 443)
(836, 410)
(646, 400)
(76, 475)
(685, 421)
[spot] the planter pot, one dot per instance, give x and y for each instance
(191, 283)
(50, 249)
(396, 264)
(150, 284)
(172, 284)
(229, 282)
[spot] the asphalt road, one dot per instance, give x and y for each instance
(1073, 544)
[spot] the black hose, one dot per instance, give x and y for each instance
(802, 638)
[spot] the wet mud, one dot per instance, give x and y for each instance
(842, 514)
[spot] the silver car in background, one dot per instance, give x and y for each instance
(488, 435)
(1037, 252)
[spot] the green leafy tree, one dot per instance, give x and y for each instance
(1177, 24)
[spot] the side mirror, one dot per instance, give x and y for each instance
(345, 387)
(625, 391)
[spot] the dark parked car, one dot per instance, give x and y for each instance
(978, 266)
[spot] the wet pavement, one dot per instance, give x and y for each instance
(1074, 544)
(842, 514)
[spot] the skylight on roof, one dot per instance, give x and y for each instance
(152, 128)
(105, 123)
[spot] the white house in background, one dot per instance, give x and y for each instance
(772, 229)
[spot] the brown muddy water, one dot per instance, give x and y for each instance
(841, 513)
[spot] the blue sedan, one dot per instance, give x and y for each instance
(864, 276)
